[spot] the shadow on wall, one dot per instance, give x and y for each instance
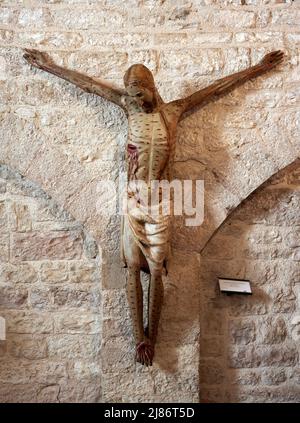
(199, 149)
(178, 333)
(50, 298)
(202, 151)
(249, 344)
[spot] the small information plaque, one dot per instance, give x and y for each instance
(235, 286)
(2, 329)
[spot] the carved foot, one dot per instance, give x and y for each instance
(144, 353)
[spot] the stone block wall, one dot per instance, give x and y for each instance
(65, 141)
(249, 346)
(50, 296)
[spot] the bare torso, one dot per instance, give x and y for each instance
(150, 141)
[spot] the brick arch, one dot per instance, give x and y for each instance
(231, 169)
(36, 190)
(278, 174)
(68, 182)
(62, 177)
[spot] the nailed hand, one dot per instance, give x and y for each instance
(272, 59)
(36, 58)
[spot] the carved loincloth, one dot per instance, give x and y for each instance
(151, 232)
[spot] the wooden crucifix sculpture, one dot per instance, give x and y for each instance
(150, 153)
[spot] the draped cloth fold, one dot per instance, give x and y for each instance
(150, 228)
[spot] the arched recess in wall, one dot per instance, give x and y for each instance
(249, 346)
(275, 176)
(50, 296)
(232, 164)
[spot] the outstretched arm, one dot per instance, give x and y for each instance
(42, 61)
(226, 84)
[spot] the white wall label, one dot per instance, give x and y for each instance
(2, 329)
(235, 286)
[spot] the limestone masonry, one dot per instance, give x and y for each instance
(61, 286)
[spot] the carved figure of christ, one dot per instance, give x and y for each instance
(150, 151)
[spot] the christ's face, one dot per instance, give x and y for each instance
(139, 85)
(139, 92)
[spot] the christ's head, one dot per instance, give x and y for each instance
(139, 84)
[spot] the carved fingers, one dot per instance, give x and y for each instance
(36, 58)
(272, 59)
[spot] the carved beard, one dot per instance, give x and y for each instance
(148, 106)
